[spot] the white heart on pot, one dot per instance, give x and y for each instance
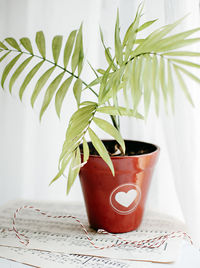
(126, 199)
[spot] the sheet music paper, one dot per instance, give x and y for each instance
(47, 259)
(66, 235)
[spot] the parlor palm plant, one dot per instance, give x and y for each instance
(139, 68)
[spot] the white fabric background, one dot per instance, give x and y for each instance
(29, 150)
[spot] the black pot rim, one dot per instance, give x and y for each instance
(157, 150)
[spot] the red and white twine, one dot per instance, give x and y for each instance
(155, 242)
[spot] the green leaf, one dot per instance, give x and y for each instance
(69, 47)
(8, 68)
(77, 49)
(118, 45)
(81, 57)
(146, 24)
(83, 110)
(26, 43)
(182, 53)
(40, 41)
(64, 164)
(29, 77)
(121, 111)
(125, 86)
(61, 93)
(56, 47)
(132, 28)
(131, 33)
(113, 86)
(176, 45)
(132, 78)
(86, 152)
(101, 149)
(139, 41)
(50, 92)
(76, 129)
(101, 71)
(77, 90)
(192, 76)
(93, 83)
(69, 147)
(78, 126)
(107, 52)
(188, 63)
(102, 90)
(18, 71)
(126, 98)
(109, 58)
(3, 46)
(13, 43)
(108, 128)
(155, 86)
(40, 84)
(163, 80)
(93, 69)
(183, 85)
(137, 88)
(85, 103)
(147, 84)
(74, 169)
(170, 86)
(154, 37)
(166, 43)
(4, 56)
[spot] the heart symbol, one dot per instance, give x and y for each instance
(125, 199)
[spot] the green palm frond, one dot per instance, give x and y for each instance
(144, 69)
(76, 131)
(73, 52)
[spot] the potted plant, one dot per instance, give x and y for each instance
(115, 174)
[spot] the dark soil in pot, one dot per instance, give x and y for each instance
(132, 148)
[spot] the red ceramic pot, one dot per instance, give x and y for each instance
(116, 204)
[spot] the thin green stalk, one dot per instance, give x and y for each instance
(115, 124)
(115, 120)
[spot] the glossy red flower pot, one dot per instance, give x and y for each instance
(116, 204)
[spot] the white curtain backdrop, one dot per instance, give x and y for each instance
(29, 150)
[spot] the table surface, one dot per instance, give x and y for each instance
(189, 258)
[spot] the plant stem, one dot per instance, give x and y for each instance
(144, 53)
(115, 120)
(115, 124)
